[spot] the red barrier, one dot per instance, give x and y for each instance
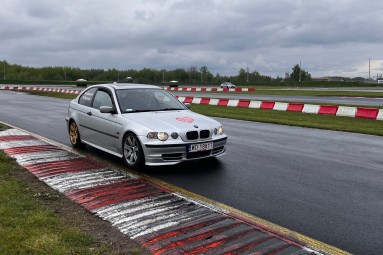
(188, 100)
(223, 102)
(251, 89)
(203, 89)
(193, 89)
(184, 89)
(238, 89)
(214, 89)
(205, 100)
(328, 109)
(267, 105)
(15, 88)
(295, 107)
(244, 103)
(367, 113)
(225, 90)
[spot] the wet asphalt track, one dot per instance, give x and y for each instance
(324, 184)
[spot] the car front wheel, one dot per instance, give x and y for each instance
(132, 151)
(74, 135)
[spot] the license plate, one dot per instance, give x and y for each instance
(200, 147)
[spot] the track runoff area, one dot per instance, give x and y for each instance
(160, 217)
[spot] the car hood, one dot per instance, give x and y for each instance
(168, 121)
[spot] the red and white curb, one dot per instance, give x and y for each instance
(345, 111)
(74, 91)
(209, 89)
(26, 88)
(161, 220)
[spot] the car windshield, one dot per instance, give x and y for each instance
(146, 100)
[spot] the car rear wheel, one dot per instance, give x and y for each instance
(74, 135)
(132, 151)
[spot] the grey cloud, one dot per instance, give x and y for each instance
(268, 35)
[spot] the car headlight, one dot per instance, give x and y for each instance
(152, 135)
(218, 131)
(162, 136)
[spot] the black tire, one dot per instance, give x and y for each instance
(133, 155)
(74, 135)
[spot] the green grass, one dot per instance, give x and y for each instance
(365, 126)
(26, 226)
(34, 219)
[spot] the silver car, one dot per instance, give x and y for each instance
(143, 124)
(227, 85)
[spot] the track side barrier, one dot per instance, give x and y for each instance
(328, 109)
(267, 105)
(295, 107)
(344, 111)
(209, 89)
(367, 113)
(24, 88)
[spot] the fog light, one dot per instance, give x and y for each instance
(174, 135)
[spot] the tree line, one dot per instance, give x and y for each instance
(191, 75)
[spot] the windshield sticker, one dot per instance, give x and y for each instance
(185, 119)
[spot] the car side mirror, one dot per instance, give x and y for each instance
(107, 109)
(188, 105)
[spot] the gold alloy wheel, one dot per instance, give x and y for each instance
(73, 133)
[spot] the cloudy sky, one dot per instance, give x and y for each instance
(328, 37)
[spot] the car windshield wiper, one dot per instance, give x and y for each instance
(170, 109)
(145, 110)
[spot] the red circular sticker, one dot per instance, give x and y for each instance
(185, 119)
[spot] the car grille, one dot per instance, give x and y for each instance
(194, 135)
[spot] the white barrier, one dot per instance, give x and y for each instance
(213, 101)
(311, 108)
(280, 106)
(380, 115)
(346, 111)
(233, 102)
(255, 104)
(196, 100)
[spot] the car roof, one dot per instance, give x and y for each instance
(129, 86)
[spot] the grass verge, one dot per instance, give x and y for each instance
(34, 219)
(364, 126)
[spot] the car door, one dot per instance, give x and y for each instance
(83, 110)
(103, 126)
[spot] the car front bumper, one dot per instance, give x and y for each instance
(171, 154)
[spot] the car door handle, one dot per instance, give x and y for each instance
(89, 113)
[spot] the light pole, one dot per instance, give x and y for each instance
(4, 71)
(64, 73)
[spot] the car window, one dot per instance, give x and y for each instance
(87, 97)
(135, 100)
(102, 98)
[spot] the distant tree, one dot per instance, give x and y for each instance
(299, 73)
